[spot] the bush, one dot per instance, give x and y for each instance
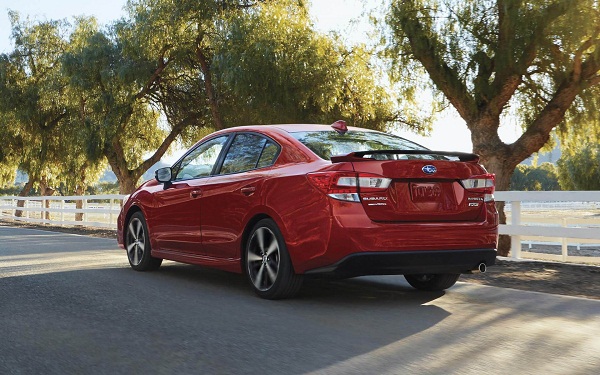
(535, 178)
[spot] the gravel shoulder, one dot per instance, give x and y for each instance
(538, 276)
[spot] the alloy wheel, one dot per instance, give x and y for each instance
(263, 258)
(136, 241)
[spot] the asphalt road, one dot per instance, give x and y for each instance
(70, 305)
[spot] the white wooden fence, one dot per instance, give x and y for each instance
(540, 218)
(553, 218)
(99, 211)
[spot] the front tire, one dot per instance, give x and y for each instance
(137, 245)
(267, 263)
(432, 282)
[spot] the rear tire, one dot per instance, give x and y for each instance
(137, 245)
(432, 282)
(267, 263)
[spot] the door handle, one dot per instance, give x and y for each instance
(195, 193)
(248, 190)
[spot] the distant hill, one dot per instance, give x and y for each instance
(109, 176)
(545, 157)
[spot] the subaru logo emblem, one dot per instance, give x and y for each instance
(429, 169)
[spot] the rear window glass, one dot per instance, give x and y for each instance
(330, 143)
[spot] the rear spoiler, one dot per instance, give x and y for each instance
(359, 155)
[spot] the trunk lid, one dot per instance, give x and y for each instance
(421, 189)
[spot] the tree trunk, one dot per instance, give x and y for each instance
(502, 165)
(23, 193)
(127, 179)
(127, 185)
(79, 191)
(210, 91)
(46, 191)
(498, 158)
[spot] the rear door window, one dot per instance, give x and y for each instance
(249, 151)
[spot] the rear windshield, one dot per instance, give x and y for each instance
(330, 143)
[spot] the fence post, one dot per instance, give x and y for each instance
(515, 241)
(62, 212)
(565, 242)
(110, 207)
(85, 206)
(43, 211)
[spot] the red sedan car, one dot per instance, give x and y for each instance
(284, 202)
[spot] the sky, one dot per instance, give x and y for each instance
(344, 16)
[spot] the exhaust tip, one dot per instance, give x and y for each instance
(482, 267)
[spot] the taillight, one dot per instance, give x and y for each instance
(346, 186)
(481, 184)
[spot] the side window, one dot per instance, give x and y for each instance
(269, 154)
(246, 153)
(200, 162)
(243, 153)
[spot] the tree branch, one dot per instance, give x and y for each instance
(508, 80)
(538, 133)
(162, 64)
(426, 47)
(160, 151)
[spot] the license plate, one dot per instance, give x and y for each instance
(425, 192)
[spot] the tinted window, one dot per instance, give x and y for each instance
(244, 153)
(330, 143)
(200, 161)
(269, 154)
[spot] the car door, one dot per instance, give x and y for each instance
(233, 192)
(178, 207)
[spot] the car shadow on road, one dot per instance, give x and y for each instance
(358, 290)
(203, 321)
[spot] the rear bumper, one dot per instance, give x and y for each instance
(407, 262)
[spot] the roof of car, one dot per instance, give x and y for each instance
(292, 128)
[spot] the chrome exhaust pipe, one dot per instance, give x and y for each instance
(481, 268)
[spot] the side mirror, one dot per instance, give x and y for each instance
(163, 175)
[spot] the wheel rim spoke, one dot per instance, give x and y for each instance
(136, 256)
(259, 276)
(272, 248)
(253, 257)
(272, 274)
(130, 247)
(132, 231)
(260, 238)
(139, 231)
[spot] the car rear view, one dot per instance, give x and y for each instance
(400, 208)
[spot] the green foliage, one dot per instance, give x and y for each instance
(8, 156)
(103, 188)
(33, 100)
(10, 190)
(278, 69)
(535, 178)
(581, 169)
